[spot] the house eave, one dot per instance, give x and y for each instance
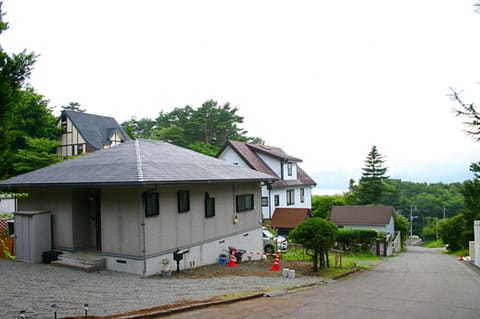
(130, 183)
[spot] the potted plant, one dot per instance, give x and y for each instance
(166, 271)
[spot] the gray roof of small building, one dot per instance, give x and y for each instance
(361, 215)
(95, 129)
(137, 162)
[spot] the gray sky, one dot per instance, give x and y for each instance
(324, 80)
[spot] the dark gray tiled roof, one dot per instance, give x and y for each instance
(95, 129)
(135, 163)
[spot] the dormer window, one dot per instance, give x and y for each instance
(289, 168)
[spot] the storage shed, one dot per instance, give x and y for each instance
(33, 235)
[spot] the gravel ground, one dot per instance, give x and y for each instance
(35, 287)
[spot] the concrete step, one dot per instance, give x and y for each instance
(79, 261)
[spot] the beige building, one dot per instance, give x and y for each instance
(142, 200)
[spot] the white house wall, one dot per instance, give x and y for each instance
(70, 139)
(231, 156)
(272, 162)
(282, 193)
(476, 230)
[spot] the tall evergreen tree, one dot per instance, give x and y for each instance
(371, 184)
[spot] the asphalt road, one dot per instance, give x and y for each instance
(421, 283)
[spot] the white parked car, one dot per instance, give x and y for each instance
(270, 241)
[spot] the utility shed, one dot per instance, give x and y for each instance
(33, 235)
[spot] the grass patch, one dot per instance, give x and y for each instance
(434, 244)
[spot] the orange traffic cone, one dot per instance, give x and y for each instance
(276, 264)
(232, 262)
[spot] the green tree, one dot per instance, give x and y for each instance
(15, 70)
(205, 129)
(317, 236)
(402, 225)
(73, 106)
(371, 185)
(322, 205)
(454, 232)
(37, 154)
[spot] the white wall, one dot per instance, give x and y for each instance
(282, 193)
(477, 242)
(7, 205)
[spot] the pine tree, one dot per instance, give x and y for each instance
(371, 184)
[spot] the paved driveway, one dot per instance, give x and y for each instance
(421, 283)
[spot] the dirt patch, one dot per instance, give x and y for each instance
(249, 268)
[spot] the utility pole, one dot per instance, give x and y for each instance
(412, 208)
(443, 211)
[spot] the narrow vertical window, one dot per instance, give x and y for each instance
(209, 206)
(290, 197)
(302, 195)
(183, 201)
(289, 169)
(276, 199)
(150, 201)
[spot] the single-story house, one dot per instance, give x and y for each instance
(140, 201)
(380, 218)
(286, 219)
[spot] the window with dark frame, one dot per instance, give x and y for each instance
(276, 199)
(302, 195)
(150, 201)
(244, 202)
(289, 168)
(183, 201)
(264, 201)
(290, 197)
(209, 206)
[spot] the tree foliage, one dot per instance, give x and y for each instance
(38, 153)
(371, 185)
(356, 240)
(322, 204)
(205, 129)
(15, 69)
(317, 236)
(455, 232)
(402, 225)
(24, 113)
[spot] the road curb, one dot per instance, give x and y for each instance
(204, 304)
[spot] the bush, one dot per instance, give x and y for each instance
(355, 240)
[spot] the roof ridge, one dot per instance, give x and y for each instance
(139, 162)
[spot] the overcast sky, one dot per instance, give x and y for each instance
(324, 80)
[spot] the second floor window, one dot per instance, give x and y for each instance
(302, 195)
(289, 169)
(276, 199)
(290, 197)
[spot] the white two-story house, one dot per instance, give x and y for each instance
(293, 189)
